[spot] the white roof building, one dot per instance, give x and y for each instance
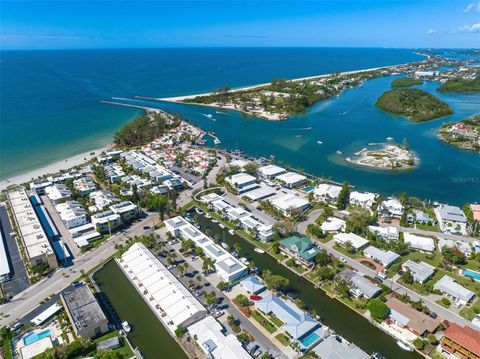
(291, 179)
(421, 271)
(57, 192)
(72, 214)
(391, 208)
(260, 193)
(242, 182)
(452, 289)
(290, 202)
(419, 243)
(209, 335)
(271, 171)
(333, 224)
(356, 241)
(463, 247)
(389, 233)
(451, 219)
(4, 266)
(167, 297)
(102, 198)
(365, 199)
(327, 192)
(385, 258)
(84, 185)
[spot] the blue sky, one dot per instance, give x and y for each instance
(125, 24)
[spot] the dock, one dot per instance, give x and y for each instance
(146, 108)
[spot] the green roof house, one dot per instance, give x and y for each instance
(300, 248)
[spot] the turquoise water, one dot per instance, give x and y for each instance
(309, 339)
(35, 337)
(471, 274)
(308, 189)
(49, 99)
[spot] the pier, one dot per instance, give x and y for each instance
(146, 108)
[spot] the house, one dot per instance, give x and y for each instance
(391, 208)
(242, 182)
(84, 185)
(39, 186)
(365, 200)
(420, 217)
(290, 204)
(385, 258)
(451, 219)
(475, 208)
(409, 318)
(291, 179)
(300, 248)
(260, 193)
(356, 241)
(389, 233)
(58, 193)
(127, 210)
(419, 243)
(327, 193)
(102, 199)
(262, 232)
(253, 285)
(333, 225)
(360, 286)
(453, 290)
(420, 271)
(463, 343)
(236, 214)
(106, 222)
(84, 312)
(335, 347)
(462, 246)
(72, 214)
(271, 171)
(114, 172)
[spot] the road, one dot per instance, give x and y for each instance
(455, 237)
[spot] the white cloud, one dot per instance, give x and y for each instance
(472, 6)
(432, 31)
(474, 28)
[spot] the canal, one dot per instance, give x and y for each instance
(333, 313)
(148, 334)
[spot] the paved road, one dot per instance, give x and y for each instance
(19, 281)
(455, 237)
(312, 216)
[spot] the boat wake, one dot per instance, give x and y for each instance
(299, 129)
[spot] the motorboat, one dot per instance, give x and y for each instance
(126, 327)
(389, 138)
(404, 346)
(231, 231)
(320, 142)
(244, 260)
(339, 152)
(208, 115)
(224, 245)
(258, 250)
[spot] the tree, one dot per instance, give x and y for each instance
(162, 205)
(342, 286)
(180, 331)
(325, 273)
(291, 262)
(344, 196)
(323, 258)
(222, 286)
(419, 343)
(251, 168)
(187, 245)
(275, 281)
(236, 248)
(211, 298)
(407, 277)
(454, 255)
(276, 247)
(358, 220)
(378, 309)
(242, 300)
(208, 264)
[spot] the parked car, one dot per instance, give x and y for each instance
(199, 293)
(255, 297)
(433, 315)
(342, 259)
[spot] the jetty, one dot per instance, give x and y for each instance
(146, 108)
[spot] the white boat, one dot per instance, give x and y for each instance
(389, 138)
(208, 216)
(320, 142)
(222, 225)
(231, 231)
(258, 250)
(339, 152)
(198, 210)
(216, 141)
(343, 113)
(126, 327)
(224, 245)
(244, 260)
(214, 221)
(208, 115)
(404, 346)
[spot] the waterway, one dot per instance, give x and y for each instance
(148, 334)
(334, 314)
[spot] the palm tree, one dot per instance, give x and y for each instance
(162, 205)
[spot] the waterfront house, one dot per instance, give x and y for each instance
(85, 314)
(365, 200)
(300, 248)
(58, 193)
(271, 171)
(290, 204)
(420, 217)
(236, 214)
(359, 285)
(391, 208)
(356, 241)
(253, 285)
(389, 233)
(291, 179)
(453, 290)
(327, 193)
(475, 208)
(160, 189)
(127, 210)
(385, 258)
(336, 347)
(405, 316)
(461, 342)
(419, 243)
(420, 271)
(462, 246)
(333, 225)
(242, 182)
(5, 271)
(451, 219)
(38, 186)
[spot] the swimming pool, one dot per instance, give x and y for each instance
(35, 337)
(308, 189)
(309, 339)
(471, 274)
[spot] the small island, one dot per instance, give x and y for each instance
(417, 105)
(464, 134)
(388, 157)
(461, 85)
(406, 82)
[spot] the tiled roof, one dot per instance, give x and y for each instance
(466, 337)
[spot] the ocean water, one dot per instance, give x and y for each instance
(49, 106)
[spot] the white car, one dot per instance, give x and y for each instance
(342, 259)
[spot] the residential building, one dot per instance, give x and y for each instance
(300, 248)
(389, 233)
(84, 185)
(360, 286)
(58, 193)
(37, 246)
(291, 179)
(453, 290)
(336, 347)
(356, 241)
(290, 204)
(385, 258)
(72, 214)
(271, 171)
(391, 208)
(463, 343)
(327, 193)
(333, 225)
(409, 318)
(253, 285)
(451, 219)
(5, 271)
(236, 214)
(242, 182)
(114, 173)
(420, 271)
(106, 222)
(39, 186)
(462, 246)
(211, 338)
(260, 193)
(84, 312)
(475, 208)
(420, 217)
(102, 199)
(419, 243)
(127, 210)
(365, 200)
(136, 180)
(168, 298)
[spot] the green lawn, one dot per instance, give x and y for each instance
(124, 351)
(282, 338)
(264, 322)
(439, 302)
(275, 320)
(467, 313)
(425, 227)
(347, 253)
